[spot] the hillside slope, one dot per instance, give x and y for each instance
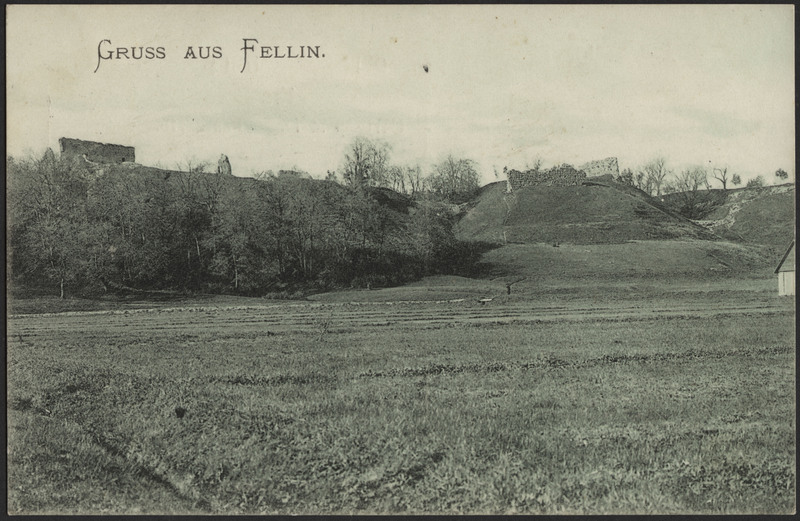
(761, 215)
(593, 213)
(664, 260)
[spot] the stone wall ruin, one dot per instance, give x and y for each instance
(97, 152)
(564, 175)
(600, 167)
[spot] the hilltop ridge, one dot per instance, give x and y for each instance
(591, 213)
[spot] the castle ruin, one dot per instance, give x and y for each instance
(600, 167)
(97, 152)
(564, 175)
(224, 165)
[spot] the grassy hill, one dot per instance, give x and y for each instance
(631, 270)
(588, 214)
(604, 234)
(635, 260)
(759, 215)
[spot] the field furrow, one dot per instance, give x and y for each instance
(662, 407)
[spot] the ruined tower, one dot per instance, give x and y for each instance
(224, 165)
(97, 152)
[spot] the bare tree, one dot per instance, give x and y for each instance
(688, 185)
(416, 181)
(395, 178)
(454, 178)
(654, 173)
(365, 163)
(691, 180)
(721, 175)
(193, 165)
(50, 232)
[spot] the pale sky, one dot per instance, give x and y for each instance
(699, 85)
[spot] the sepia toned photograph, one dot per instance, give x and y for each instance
(400, 259)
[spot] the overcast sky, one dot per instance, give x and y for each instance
(706, 85)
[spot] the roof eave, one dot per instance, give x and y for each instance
(783, 259)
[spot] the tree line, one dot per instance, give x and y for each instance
(366, 163)
(656, 179)
(691, 186)
(75, 229)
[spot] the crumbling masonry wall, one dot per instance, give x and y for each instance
(600, 167)
(564, 175)
(97, 152)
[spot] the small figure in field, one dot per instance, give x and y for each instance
(223, 165)
(508, 288)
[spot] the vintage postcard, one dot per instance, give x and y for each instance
(404, 259)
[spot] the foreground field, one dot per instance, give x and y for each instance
(683, 404)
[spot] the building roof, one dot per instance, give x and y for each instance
(787, 262)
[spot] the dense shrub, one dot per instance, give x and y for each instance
(144, 228)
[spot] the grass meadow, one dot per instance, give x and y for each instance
(344, 408)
